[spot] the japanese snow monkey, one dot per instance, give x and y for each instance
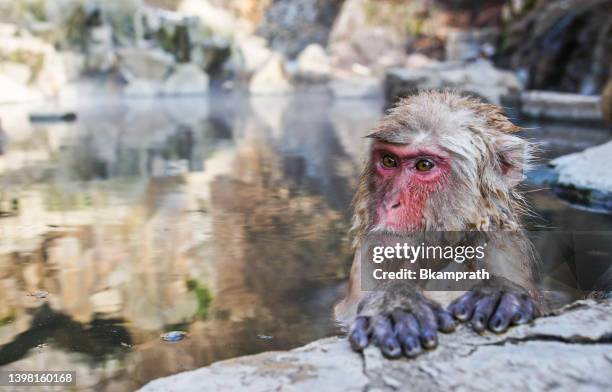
(441, 162)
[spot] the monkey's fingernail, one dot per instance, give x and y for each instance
(429, 339)
(391, 348)
(446, 323)
(497, 324)
(478, 323)
(461, 313)
(412, 346)
(358, 340)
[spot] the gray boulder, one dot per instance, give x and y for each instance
(479, 78)
(561, 106)
(569, 350)
(144, 63)
(186, 79)
(313, 64)
(589, 169)
(271, 78)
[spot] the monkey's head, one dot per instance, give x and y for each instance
(440, 161)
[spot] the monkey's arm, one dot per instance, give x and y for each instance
(397, 317)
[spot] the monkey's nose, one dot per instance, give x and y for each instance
(393, 204)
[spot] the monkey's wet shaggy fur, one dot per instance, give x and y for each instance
(475, 161)
(490, 162)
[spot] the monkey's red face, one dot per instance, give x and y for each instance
(404, 178)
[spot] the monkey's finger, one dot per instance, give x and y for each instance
(482, 312)
(358, 336)
(407, 332)
(446, 322)
(507, 309)
(429, 326)
(525, 313)
(463, 307)
(384, 337)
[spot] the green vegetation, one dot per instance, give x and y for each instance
(7, 319)
(203, 296)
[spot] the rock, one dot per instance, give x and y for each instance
(74, 64)
(418, 60)
(15, 92)
(217, 20)
(101, 55)
(47, 71)
(569, 348)
(271, 78)
(606, 101)
(584, 177)
(313, 64)
(254, 53)
(187, 79)
(290, 26)
(144, 63)
(367, 33)
(561, 45)
(356, 87)
(479, 78)
(7, 30)
(560, 106)
(464, 45)
(19, 73)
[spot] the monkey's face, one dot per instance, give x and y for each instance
(441, 162)
(405, 176)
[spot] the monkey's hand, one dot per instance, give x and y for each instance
(495, 305)
(399, 320)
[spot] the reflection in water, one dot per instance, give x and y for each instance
(224, 218)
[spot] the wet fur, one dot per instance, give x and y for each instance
(479, 193)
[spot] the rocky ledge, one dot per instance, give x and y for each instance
(584, 177)
(569, 350)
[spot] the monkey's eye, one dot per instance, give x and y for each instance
(388, 161)
(424, 165)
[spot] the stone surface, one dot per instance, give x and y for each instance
(217, 20)
(144, 63)
(186, 79)
(290, 26)
(47, 73)
(313, 63)
(358, 37)
(588, 169)
(561, 106)
(101, 55)
(12, 91)
(571, 350)
(253, 53)
(271, 78)
(479, 78)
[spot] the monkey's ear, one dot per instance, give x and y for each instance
(513, 158)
